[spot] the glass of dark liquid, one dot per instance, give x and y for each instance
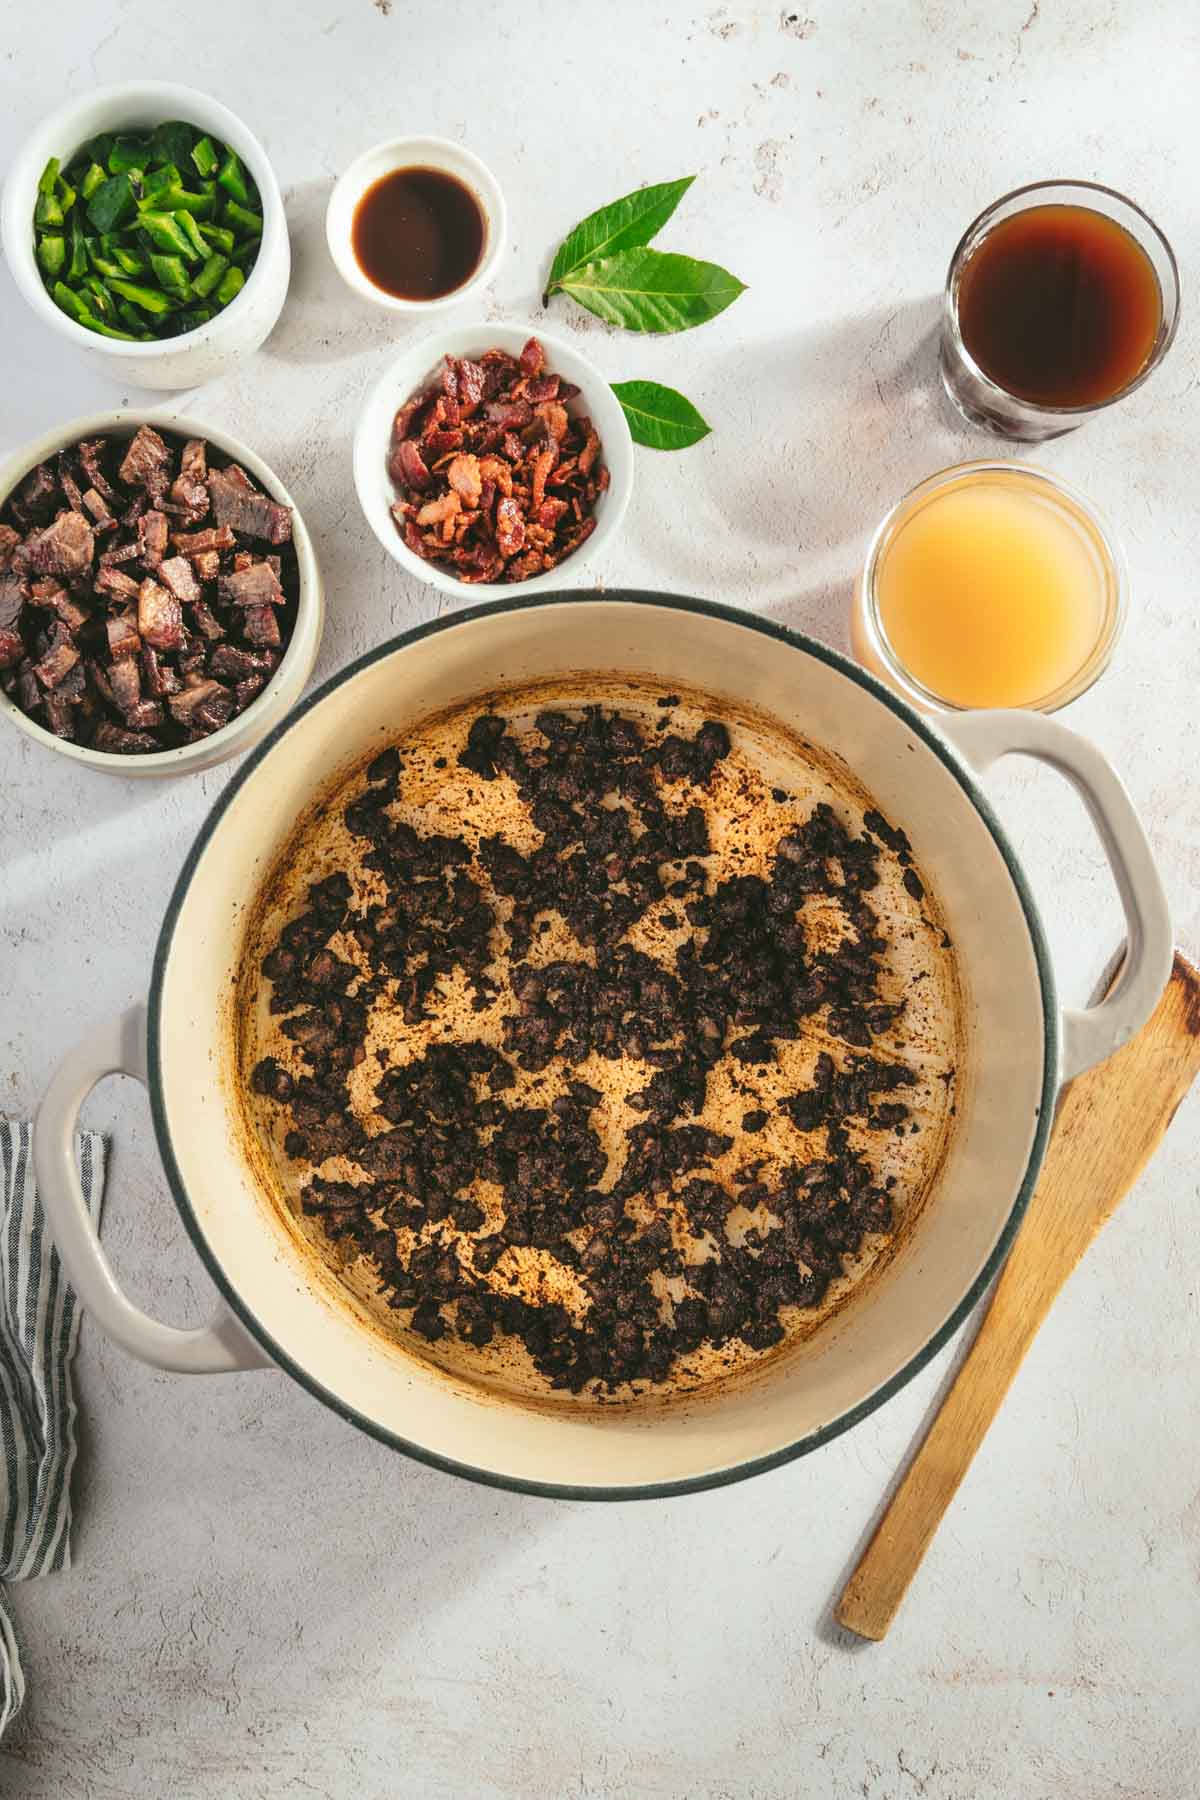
(1061, 298)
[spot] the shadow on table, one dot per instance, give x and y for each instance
(323, 321)
(827, 1630)
(832, 425)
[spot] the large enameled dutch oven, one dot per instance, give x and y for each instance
(1021, 1047)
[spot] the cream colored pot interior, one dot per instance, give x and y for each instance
(864, 1346)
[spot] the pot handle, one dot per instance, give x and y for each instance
(117, 1047)
(1094, 1033)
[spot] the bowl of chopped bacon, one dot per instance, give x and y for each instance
(486, 456)
(160, 600)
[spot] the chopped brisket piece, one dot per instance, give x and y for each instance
(246, 511)
(123, 639)
(260, 626)
(65, 547)
(176, 573)
(254, 586)
(198, 543)
(152, 537)
(146, 463)
(160, 622)
(59, 659)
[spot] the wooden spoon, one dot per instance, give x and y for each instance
(1110, 1122)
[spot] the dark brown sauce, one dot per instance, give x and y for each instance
(418, 234)
(1059, 305)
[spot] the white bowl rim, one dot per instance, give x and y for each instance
(400, 152)
(18, 243)
(170, 762)
(491, 333)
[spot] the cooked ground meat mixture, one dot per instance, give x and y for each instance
(455, 1163)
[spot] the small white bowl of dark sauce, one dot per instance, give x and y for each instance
(416, 223)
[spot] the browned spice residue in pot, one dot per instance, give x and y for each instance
(587, 1070)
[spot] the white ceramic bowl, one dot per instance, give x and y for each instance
(240, 327)
(414, 153)
(416, 369)
(285, 686)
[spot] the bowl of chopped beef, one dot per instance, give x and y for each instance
(160, 600)
(488, 457)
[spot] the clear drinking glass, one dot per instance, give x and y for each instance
(980, 399)
(872, 646)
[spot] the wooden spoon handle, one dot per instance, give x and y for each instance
(1110, 1122)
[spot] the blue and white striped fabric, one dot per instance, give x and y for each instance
(39, 1328)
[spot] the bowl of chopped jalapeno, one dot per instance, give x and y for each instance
(145, 224)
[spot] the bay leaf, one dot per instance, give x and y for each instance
(649, 290)
(658, 416)
(624, 224)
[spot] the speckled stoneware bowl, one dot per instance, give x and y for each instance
(286, 684)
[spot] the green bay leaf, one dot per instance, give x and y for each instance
(658, 416)
(632, 220)
(649, 290)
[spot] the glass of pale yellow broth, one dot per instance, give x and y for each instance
(990, 584)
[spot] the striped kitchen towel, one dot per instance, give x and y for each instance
(39, 1327)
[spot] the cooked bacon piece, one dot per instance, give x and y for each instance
(523, 567)
(442, 512)
(470, 387)
(543, 462)
(591, 449)
(123, 639)
(256, 585)
(146, 463)
(198, 543)
(465, 479)
(242, 508)
(152, 537)
(402, 423)
(553, 416)
(59, 660)
(506, 413)
(510, 528)
(542, 387)
(409, 469)
(64, 548)
(176, 572)
(440, 443)
(160, 621)
(533, 357)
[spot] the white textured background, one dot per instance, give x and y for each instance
(266, 1604)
